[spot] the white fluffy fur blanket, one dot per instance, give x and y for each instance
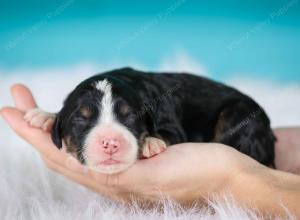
(29, 191)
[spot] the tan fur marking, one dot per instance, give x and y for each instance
(85, 112)
(124, 109)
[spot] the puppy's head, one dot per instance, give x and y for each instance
(100, 124)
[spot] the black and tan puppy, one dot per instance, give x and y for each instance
(114, 118)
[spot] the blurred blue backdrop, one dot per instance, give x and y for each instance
(256, 38)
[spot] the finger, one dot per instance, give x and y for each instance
(39, 139)
(22, 97)
(79, 178)
(85, 181)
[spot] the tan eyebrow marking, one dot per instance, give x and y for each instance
(124, 109)
(86, 112)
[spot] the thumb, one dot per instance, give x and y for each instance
(23, 97)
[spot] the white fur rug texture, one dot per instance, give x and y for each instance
(28, 190)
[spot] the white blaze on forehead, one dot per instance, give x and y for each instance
(107, 114)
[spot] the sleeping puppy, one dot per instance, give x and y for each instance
(112, 119)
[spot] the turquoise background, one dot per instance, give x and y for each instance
(258, 39)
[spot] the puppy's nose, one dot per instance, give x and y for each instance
(110, 146)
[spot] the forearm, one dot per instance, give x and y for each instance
(270, 191)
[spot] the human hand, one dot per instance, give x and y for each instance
(287, 149)
(185, 172)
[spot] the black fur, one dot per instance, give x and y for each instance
(177, 107)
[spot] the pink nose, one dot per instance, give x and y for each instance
(110, 146)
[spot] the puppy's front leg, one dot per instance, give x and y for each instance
(40, 119)
(153, 146)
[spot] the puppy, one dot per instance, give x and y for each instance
(112, 119)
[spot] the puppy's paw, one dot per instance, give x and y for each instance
(153, 146)
(40, 119)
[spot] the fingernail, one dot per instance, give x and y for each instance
(2, 113)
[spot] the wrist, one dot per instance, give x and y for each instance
(269, 191)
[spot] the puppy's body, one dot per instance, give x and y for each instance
(175, 108)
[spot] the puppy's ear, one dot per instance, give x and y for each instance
(56, 132)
